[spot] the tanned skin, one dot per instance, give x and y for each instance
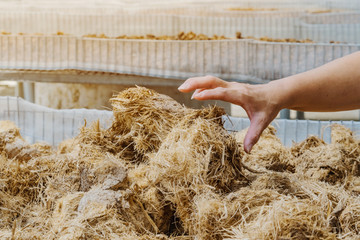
(334, 86)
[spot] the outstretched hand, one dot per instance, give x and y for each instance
(331, 87)
(257, 100)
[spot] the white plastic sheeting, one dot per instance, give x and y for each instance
(248, 60)
(291, 23)
(343, 27)
(343, 4)
(290, 131)
(117, 22)
(269, 60)
(178, 59)
(41, 124)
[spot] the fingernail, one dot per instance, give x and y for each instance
(193, 95)
(248, 147)
(197, 94)
(183, 86)
(200, 94)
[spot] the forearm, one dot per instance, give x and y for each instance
(332, 87)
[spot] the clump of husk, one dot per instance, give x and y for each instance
(287, 218)
(15, 147)
(329, 162)
(213, 215)
(350, 217)
(311, 142)
(157, 185)
(216, 157)
(268, 153)
(22, 181)
(164, 171)
(91, 215)
(80, 169)
(310, 211)
(196, 155)
(280, 182)
(143, 118)
(352, 184)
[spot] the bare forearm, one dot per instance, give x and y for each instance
(332, 87)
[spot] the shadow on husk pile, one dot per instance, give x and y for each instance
(164, 171)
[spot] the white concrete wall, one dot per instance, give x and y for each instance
(8, 88)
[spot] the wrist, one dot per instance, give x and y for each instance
(280, 93)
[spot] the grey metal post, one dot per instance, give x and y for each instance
(285, 114)
(29, 91)
(300, 115)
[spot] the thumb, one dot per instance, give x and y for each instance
(257, 126)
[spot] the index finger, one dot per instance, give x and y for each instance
(207, 82)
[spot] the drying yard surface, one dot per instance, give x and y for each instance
(164, 171)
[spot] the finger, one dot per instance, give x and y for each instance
(218, 93)
(197, 91)
(253, 134)
(207, 82)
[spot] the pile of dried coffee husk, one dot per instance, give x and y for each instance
(185, 36)
(164, 171)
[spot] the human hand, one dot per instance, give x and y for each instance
(259, 101)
